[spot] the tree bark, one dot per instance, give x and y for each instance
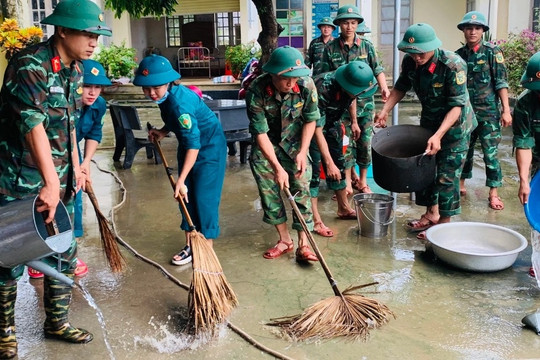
(12, 9)
(270, 28)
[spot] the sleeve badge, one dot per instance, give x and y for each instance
(499, 58)
(185, 121)
(461, 77)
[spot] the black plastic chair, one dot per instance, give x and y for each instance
(130, 136)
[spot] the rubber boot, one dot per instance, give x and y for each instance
(8, 341)
(57, 297)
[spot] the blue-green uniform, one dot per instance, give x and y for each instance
(526, 125)
(314, 54)
(440, 85)
(281, 117)
(38, 89)
(486, 74)
(89, 127)
(197, 127)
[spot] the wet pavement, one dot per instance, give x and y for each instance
(441, 312)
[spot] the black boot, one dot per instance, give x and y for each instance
(8, 341)
(56, 300)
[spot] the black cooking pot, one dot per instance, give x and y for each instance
(399, 163)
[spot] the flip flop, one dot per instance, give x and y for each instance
(349, 216)
(304, 254)
(495, 203)
(411, 224)
(322, 230)
(185, 256)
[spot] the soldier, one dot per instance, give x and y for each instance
(282, 109)
(526, 129)
(439, 79)
(363, 29)
(487, 84)
(316, 46)
(342, 50)
(40, 102)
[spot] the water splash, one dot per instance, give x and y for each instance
(90, 300)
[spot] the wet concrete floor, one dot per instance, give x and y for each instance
(441, 312)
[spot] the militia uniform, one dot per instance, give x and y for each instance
(526, 125)
(314, 55)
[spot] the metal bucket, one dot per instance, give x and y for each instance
(23, 236)
(374, 214)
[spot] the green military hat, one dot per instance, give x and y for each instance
(362, 28)
(531, 77)
(419, 39)
(286, 61)
(473, 18)
(83, 15)
(326, 21)
(348, 12)
(357, 79)
(155, 70)
(94, 73)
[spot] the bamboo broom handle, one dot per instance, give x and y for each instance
(313, 243)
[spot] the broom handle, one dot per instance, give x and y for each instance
(168, 170)
(313, 243)
(90, 192)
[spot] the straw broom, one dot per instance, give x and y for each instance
(108, 239)
(345, 314)
(211, 299)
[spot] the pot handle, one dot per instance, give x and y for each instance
(421, 158)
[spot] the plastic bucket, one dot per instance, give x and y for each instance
(374, 214)
(23, 236)
(532, 207)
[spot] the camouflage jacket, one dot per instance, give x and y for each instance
(315, 54)
(526, 123)
(37, 89)
(486, 74)
(281, 117)
(333, 101)
(337, 53)
(440, 85)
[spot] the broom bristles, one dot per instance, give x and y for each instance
(211, 298)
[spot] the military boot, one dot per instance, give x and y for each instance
(57, 297)
(8, 342)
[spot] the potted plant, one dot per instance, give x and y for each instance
(238, 56)
(119, 61)
(13, 38)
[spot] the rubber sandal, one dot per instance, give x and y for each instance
(185, 256)
(419, 227)
(351, 215)
(362, 190)
(81, 269)
(421, 235)
(531, 272)
(304, 254)
(495, 203)
(323, 230)
(275, 252)
(34, 274)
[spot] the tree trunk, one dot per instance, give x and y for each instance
(270, 28)
(13, 9)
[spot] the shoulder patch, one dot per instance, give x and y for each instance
(499, 58)
(460, 77)
(185, 121)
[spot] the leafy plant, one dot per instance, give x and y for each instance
(517, 51)
(118, 60)
(238, 56)
(13, 38)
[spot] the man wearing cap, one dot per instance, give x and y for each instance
(439, 79)
(316, 46)
(363, 29)
(40, 104)
(487, 84)
(282, 109)
(526, 129)
(342, 50)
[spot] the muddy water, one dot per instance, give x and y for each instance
(441, 312)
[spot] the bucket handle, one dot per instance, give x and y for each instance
(371, 218)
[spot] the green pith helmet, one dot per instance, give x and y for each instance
(94, 73)
(348, 12)
(419, 39)
(531, 77)
(81, 15)
(286, 61)
(326, 21)
(155, 70)
(357, 79)
(362, 28)
(473, 18)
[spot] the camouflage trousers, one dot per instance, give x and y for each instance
(444, 191)
(275, 212)
(359, 151)
(65, 262)
(488, 132)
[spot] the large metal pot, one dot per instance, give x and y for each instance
(399, 163)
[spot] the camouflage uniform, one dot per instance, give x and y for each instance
(338, 53)
(315, 54)
(333, 102)
(440, 85)
(486, 75)
(526, 126)
(38, 89)
(282, 119)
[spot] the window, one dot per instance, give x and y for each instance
(471, 5)
(290, 15)
(387, 20)
(536, 17)
(227, 28)
(40, 10)
(174, 28)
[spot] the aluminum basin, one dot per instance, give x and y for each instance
(475, 246)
